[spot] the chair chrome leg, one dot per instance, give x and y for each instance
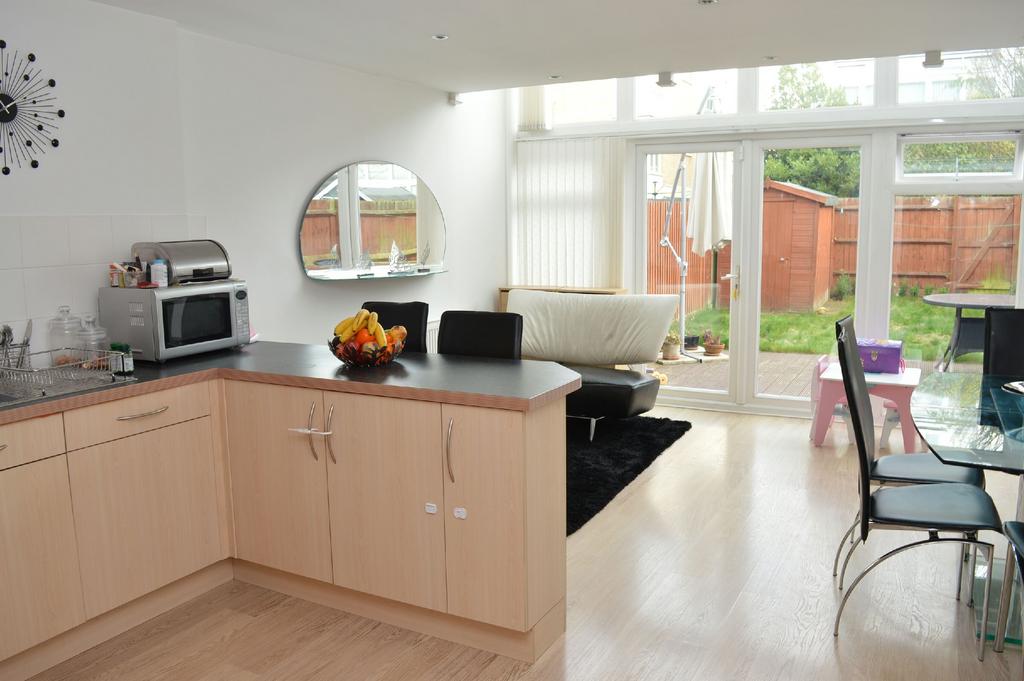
(983, 637)
(887, 556)
(961, 559)
(842, 543)
(842, 574)
(970, 576)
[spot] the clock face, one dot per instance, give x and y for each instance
(29, 115)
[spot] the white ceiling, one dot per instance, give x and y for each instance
(497, 44)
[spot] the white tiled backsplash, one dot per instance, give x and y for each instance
(47, 261)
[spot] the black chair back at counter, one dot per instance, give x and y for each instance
(481, 334)
(413, 316)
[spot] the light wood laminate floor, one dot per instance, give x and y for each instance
(714, 564)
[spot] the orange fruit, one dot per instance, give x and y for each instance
(363, 336)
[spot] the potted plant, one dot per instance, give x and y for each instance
(713, 344)
(691, 342)
(670, 346)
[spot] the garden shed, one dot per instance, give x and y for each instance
(797, 247)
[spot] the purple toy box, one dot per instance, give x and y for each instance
(881, 356)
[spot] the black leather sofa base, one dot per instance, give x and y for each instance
(611, 393)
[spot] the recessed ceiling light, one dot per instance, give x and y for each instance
(707, 2)
(554, 77)
(769, 57)
(439, 36)
(938, 120)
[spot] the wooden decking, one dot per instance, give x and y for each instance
(778, 373)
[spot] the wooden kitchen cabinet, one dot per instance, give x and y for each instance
(40, 591)
(31, 440)
(146, 512)
(279, 478)
(387, 497)
(484, 515)
(504, 513)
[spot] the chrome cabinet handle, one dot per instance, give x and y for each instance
(309, 426)
(310, 431)
(327, 434)
(132, 417)
(448, 450)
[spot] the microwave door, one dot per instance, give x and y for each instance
(193, 323)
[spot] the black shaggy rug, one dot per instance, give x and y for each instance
(622, 448)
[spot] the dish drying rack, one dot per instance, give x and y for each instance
(60, 372)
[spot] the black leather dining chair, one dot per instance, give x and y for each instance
(958, 509)
(1004, 335)
(413, 316)
(481, 334)
(1014, 531)
(918, 468)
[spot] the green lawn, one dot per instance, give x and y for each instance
(924, 328)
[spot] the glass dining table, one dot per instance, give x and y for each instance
(969, 419)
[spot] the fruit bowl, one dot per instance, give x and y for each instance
(361, 341)
(352, 355)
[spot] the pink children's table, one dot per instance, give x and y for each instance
(896, 388)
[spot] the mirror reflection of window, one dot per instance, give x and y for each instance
(372, 219)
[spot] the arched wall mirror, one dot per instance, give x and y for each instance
(371, 220)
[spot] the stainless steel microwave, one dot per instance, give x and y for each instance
(164, 323)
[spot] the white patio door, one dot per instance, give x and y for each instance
(810, 199)
(771, 291)
(696, 189)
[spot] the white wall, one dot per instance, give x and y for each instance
(118, 175)
(263, 129)
(165, 128)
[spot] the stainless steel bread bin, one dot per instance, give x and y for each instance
(195, 260)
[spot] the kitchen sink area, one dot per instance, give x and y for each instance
(26, 377)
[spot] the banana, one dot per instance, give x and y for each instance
(371, 323)
(360, 322)
(343, 325)
(346, 335)
(382, 339)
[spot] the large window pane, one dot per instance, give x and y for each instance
(703, 92)
(850, 82)
(959, 157)
(972, 74)
(960, 245)
(588, 101)
(810, 225)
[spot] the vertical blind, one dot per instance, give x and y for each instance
(567, 227)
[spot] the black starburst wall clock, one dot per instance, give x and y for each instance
(29, 117)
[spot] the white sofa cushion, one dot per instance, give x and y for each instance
(599, 330)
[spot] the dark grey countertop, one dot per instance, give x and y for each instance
(504, 384)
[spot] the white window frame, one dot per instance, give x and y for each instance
(975, 179)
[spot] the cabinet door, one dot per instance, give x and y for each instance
(387, 497)
(40, 590)
(279, 478)
(145, 512)
(484, 515)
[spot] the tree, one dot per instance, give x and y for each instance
(831, 170)
(1000, 76)
(801, 86)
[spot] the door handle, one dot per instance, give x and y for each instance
(132, 417)
(448, 450)
(3, 447)
(310, 431)
(730, 277)
(327, 434)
